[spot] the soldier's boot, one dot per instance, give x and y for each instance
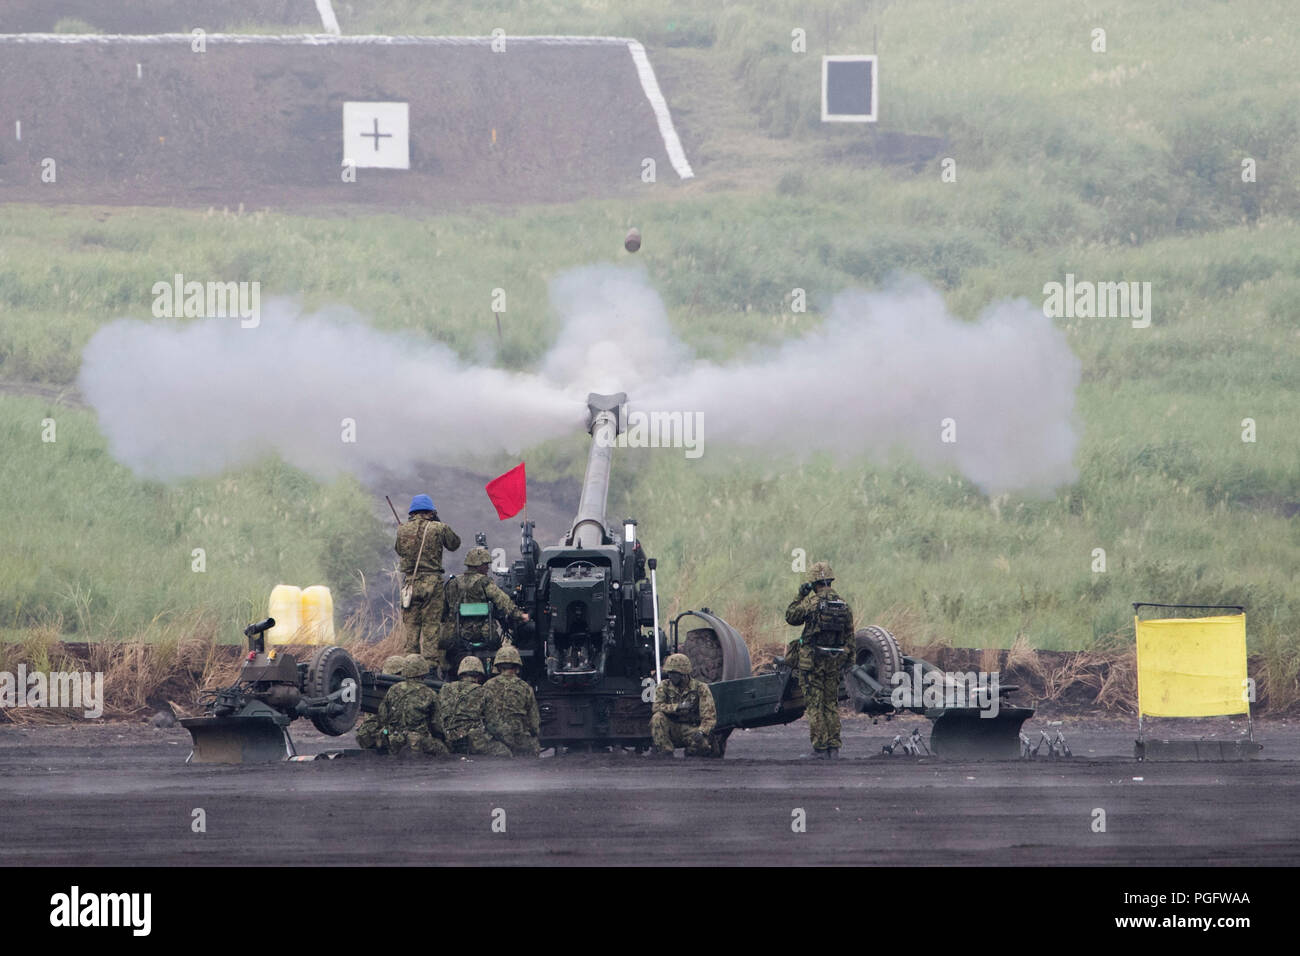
(833, 753)
(430, 746)
(815, 755)
(482, 745)
(522, 745)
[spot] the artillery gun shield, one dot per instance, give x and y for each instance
(717, 651)
(247, 738)
(970, 733)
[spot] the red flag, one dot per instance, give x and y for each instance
(508, 492)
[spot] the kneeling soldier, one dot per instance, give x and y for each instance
(511, 710)
(462, 703)
(370, 732)
(408, 714)
(684, 714)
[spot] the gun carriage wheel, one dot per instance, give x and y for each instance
(875, 649)
(329, 668)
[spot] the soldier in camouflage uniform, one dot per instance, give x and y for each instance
(475, 587)
(370, 732)
(821, 655)
(424, 537)
(408, 713)
(511, 710)
(462, 703)
(684, 714)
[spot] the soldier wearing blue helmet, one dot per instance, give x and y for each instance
(420, 544)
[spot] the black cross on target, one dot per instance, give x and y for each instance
(376, 135)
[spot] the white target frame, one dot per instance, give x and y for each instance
(827, 115)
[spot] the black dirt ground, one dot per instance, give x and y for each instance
(122, 794)
(261, 124)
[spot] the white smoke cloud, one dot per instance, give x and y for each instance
(615, 335)
(878, 375)
(200, 397)
(885, 370)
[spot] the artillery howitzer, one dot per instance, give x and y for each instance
(592, 652)
(593, 648)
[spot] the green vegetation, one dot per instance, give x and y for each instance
(92, 552)
(1122, 166)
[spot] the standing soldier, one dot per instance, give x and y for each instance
(420, 543)
(370, 732)
(824, 653)
(473, 633)
(511, 709)
(462, 703)
(684, 714)
(408, 713)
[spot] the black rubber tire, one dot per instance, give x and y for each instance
(705, 651)
(877, 650)
(329, 667)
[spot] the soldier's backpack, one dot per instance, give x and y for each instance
(834, 623)
(460, 612)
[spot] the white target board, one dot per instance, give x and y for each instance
(849, 89)
(376, 135)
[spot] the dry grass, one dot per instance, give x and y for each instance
(1105, 680)
(371, 655)
(141, 677)
(1022, 655)
(1114, 677)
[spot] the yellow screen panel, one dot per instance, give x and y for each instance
(1192, 667)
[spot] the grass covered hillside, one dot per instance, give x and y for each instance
(1118, 166)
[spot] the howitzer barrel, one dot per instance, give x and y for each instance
(589, 526)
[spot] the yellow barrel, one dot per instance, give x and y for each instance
(317, 615)
(286, 608)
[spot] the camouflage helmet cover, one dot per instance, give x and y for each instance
(820, 571)
(413, 666)
(393, 664)
(469, 665)
(678, 662)
(509, 655)
(477, 556)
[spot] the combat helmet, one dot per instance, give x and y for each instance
(413, 666)
(509, 655)
(421, 503)
(819, 572)
(469, 665)
(477, 556)
(394, 664)
(679, 663)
